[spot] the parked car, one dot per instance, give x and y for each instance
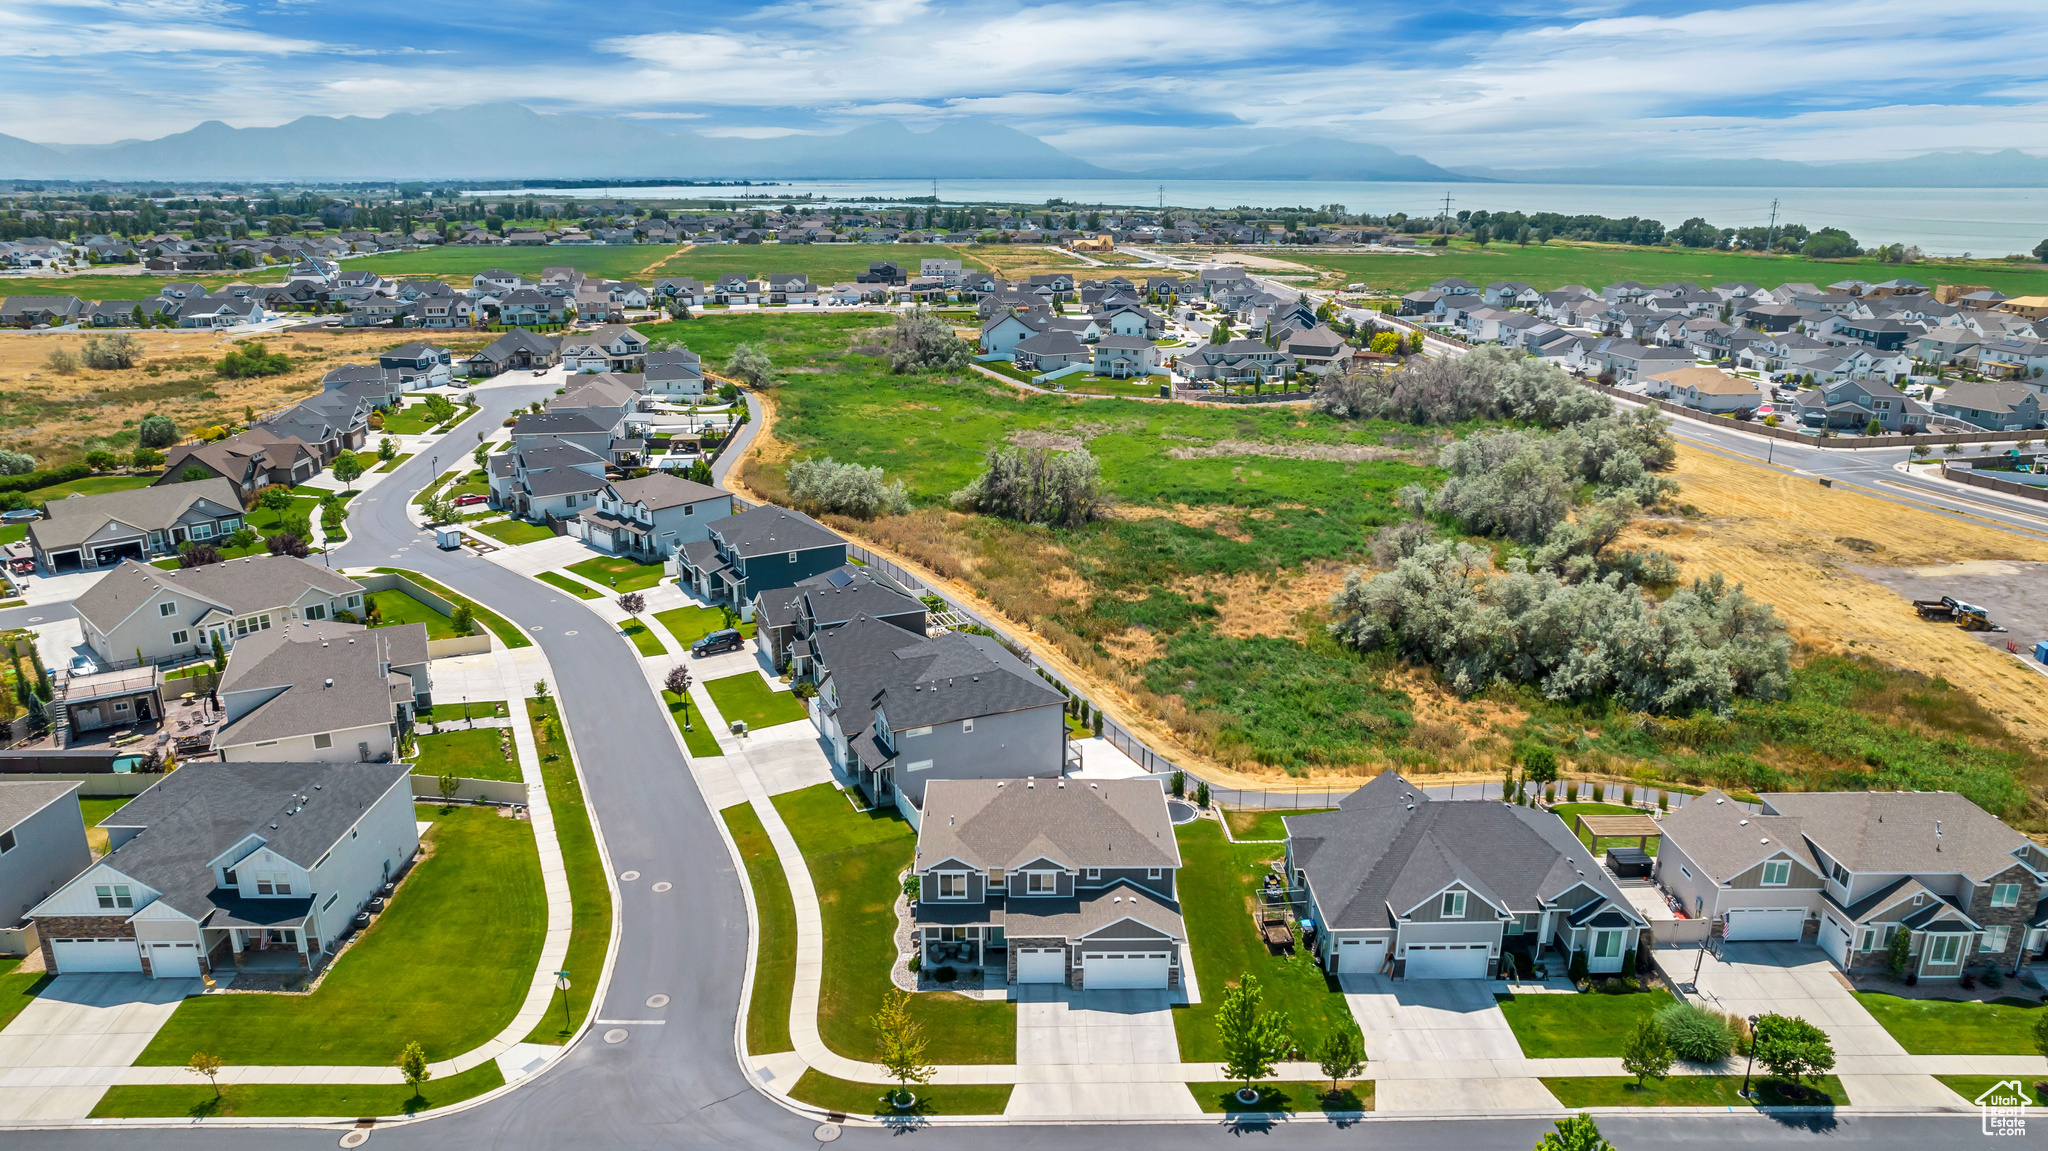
(725, 639)
(471, 498)
(82, 665)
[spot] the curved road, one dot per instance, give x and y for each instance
(679, 1084)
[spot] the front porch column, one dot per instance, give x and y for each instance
(239, 941)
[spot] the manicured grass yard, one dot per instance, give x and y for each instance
(748, 697)
(410, 420)
(1570, 811)
(775, 949)
(855, 860)
(1694, 1091)
(391, 465)
(472, 754)
(558, 580)
(1221, 1098)
(590, 924)
(849, 1098)
(396, 607)
(690, 624)
(1971, 1086)
(446, 965)
(13, 533)
(1944, 1027)
(632, 575)
(449, 711)
(697, 737)
(268, 522)
(91, 486)
(643, 637)
(17, 988)
(1264, 824)
(1568, 1026)
(501, 627)
(290, 1100)
(512, 533)
(1219, 883)
(1147, 386)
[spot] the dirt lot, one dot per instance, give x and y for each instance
(58, 418)
(2008, 589)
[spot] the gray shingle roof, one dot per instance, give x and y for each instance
(988, 823)
(768, 529)
(1894, 831)
(254, 583)
(661, 490)
(327, 676)
(20, 800)
(1726, 839)
(74, 519)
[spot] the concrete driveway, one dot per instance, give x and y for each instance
(1429, 1019)
(1106, 1053)
(1792, 979)
(78, 1023)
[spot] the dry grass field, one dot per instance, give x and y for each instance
(58, 418)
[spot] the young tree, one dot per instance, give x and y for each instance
(193, 474)
(275, 499)
(1646, 1053)
(447, 783)
(1577, 1133)
(1898, 954)
(1252, 1039)
(923, 342)
(220, 655)
(678, 683)
(463, 619)
(208, 1065)
(1790, 1048)
(1341, 1056)
(348, 469)
(1539, 763)
(632, 603)
(387, 450)
(900, 1043)
(412, 1063)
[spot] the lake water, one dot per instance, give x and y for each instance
(1979, 221)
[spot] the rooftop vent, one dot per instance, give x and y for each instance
(1743, 822)
(330, 683)
(1063, 784)
(1029, 783)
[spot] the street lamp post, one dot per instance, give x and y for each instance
(562, 983)
(1745, 1071)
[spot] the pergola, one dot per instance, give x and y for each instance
(1640, 828)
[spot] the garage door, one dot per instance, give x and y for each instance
(1035, 965)
(1780, 923)
(1106, 972)
(174, 960)
(1447, 961)
(76, 955)
(1834, 939)
(1361, 956)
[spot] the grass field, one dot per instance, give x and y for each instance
(1218, 891)
(1571, 811)
(459, 265)
(410, 420)
(1574, 1026)
(507, 634)
(590, 923)
(513, 533)
(1267, 825)
(644, 638)
(849, 1098)
(748, 697)
(92, 486)
(291, 1100)
(18, 989)
(697, 736)
(1943, 1027)
(618, 573)
(826, 264)
(576, 588)
(1695, 1091)
(854, 860)
(446, 965)
(395, 607)
(690, 624)
(1971, 1086)
(1284, 1098)
(775, 945)
(472, 753)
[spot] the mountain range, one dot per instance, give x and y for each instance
(511, 142)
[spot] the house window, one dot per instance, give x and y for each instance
(202, 531)
(355, 601)
(1151, 873)
(1685, 871)
(1041, 882)
(167, 608)
(316, 611)
(1454, 905)
(912, 731)
(1995, 938)
(966, 726)
(2005, 895)
(228, 878)
(323, 740)
(1095, 873)
(6, 842)
(920, 765)
(273, 883)
(230, 525)
(181, 638)
(330, 902)
(1947, 948)
(952, 885)
(1777, 872)
(1606, 944)
(1866, 939)
(792, 557)
(689, 509)
(116, 895)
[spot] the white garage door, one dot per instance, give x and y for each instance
(1361, 956)
(1048, 965)
(76, 955)
(1447, 961)
(1779, 923)
(1834, 939)
(1105, 972)
(174, 960)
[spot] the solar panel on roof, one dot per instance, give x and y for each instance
(839, 577)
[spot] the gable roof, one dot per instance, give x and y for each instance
(1726, 839)
(19, 800)
(988, 823)
(1896, 831)
(921, 682)
(768, 529)
(662, 490)
(328, 677)
(253, 583)
(73, 519)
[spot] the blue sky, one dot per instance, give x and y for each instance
(1126, 85)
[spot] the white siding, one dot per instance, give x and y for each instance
(301, 750)
(356, 867)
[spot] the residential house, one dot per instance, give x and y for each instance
(786, 621)
(606, 348)
(1317, 349)
(1992, 406)
(653, 515)
(1397, 881)
(1850, 404)
(791, 288)
(219, 865)
(82, 531)
(1050, 351)
(676, 375)
(734, 288)
(688, 292)
(590, 429)
(1066, 882)
(249, 461)
(375, 383)
(1239, 361)
(516, 350)
(2017, 358)
(546, 477)
(1630, 361)
(763, 549)
(882, 272)
(330, 423)
(28, 311)
(165, 615)
(322, 691)
(428, 362)
(42, 845)
(528, 308)
(1122, 357)
(1707, 389)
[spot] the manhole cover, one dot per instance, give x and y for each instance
(657, 1000)
(664, 885)
(1180, 812)
(826, 1132)
(355, 1138)
(568, 633)
(615, 1035)
(535, 627)
(628, 876)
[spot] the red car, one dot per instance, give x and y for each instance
(465, 501)
(24, 567)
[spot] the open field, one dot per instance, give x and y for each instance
(60, 418)
(458, 265)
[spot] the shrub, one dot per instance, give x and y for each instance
(112, 350)
(1037, 486)
(156, 431)
(1577, 968)
(1695, 1035)
(923, 342)
(250, 359)
(197, 555)
(16, 463)
(146, 457)
(752, 365)
(828, 486)
(288, 544)
(101, 460)
(62, 361)
(1539, 762)
(945, 974)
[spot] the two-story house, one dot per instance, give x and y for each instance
(1069, 882)
(429, 362)
(1992, 406)
(764, 549)
(652, 516)
(42, 845)
(82, 532)
(606, 348)
(786, 621)
(1239, 361)
(171, 614)
(337, 692)
(1422, 888)
(234, 864)
(247, 461)
(546, 476)
(734, 288)
(791, 288)
(675, 375)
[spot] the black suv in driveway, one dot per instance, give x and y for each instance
(726, 639)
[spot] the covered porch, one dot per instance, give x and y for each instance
(261, 934)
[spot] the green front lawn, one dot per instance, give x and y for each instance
(577, 588)
(395, 607)
(1264, 824)
(1218, 889)
(848, 1098)
(472, 754)
(856, 860)
(292, 1100)
(1945, 1027)
(590, 924)
(690, 624)
(775, 949)
(446, 965)
(18, 989)
(1571, 811)
(507, 634)
(618, 573)
(269, 523)
(1145, 386)
(13, 533)
(92, 486)
(748, 697)
(1565, 1026)
(1288, 1098)
(450, 711)
(512, 533)
(1694, 1091)
(410, 420)
(643, 638)
(1971, 1086)
(697, 737)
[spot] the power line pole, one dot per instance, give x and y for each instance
(1771, 233)
(1444, 217)
(1162, 197)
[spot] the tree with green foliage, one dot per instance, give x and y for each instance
(274, 499)
(156, 431)
(1792, 1049)
(1252, 1038)
(1575, 1133)
(826, 486)
(1037, 486)
(387, 450)
(751, 365)
(1341, 1056)
(348, 469)
(412, 1063)
(463, 619)
(220, 654)
(1898, 954)
(922, 342)
(2040, 1033)
(146, 457)
(1539, 763)
(250, 359)
(1873, 428)
(207, 1065)
(1646, 1054)
(193, 474)
(100, 460)
(900, 1043)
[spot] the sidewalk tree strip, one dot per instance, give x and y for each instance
(472, 753)
(1948, 1027)
(446, 965)
(1695, 1091)
(632, 575)
(690, 624)
(748, 697)
(391, 465)
(849, 1098)
(18, 988)
(507, 634)
(1971, 1086)
(1288, 1098)
(1253, 824)
(577, 588)
(643, 637)
(590, 893)
(395, 607)
(697, 737)
(449, 711)
(293, 1100)
(1218, 889)
(775, 949)
(1559, 1026)
(512, 533)
(856, 861)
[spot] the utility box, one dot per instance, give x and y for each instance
(2041, 652)
(447, 539)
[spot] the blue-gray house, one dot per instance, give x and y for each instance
(766, 549)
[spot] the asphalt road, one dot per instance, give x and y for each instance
(679, 1084)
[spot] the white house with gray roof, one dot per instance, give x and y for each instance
(83, 532)
(233, 864)
(169, 615)
(652, 516)
(327, 691)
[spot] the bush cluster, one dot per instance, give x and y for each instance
(1038, 486)
(1695, 1034)
(923, 342)
(826, 486)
